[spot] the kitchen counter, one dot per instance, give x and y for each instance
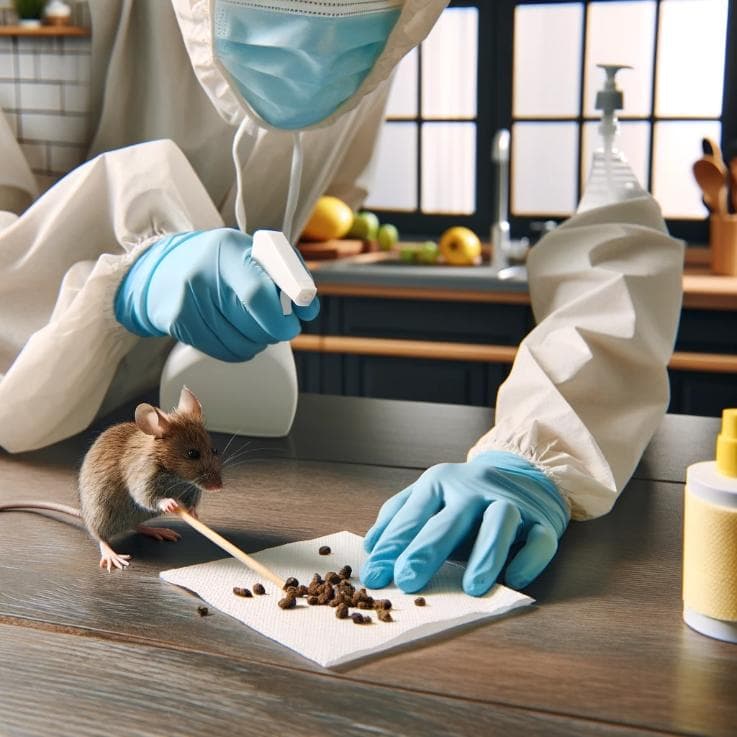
(604, 651)
(381, 275)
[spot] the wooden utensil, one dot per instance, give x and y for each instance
(228, 547)
(711, 148)
(732, 174)
(712, 178)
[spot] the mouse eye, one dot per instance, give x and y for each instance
(215, 452)
(193, 454)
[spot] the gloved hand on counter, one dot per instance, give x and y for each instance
(418, 529)
(204, 289)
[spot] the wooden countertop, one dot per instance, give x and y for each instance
(701, 290)
(603, 652)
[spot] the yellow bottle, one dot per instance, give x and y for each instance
(710, 539)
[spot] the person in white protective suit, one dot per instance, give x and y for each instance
(129, 251)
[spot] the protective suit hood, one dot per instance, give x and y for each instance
(367, 39)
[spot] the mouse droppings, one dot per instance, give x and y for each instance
(420, 601)
(288, 602)
(341, 612)
(384, 615)
(203, 611)
(291, 581)
(324, 550)
(345, 572)
(258, 588)
(241, 591)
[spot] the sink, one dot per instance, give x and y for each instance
(385, 270)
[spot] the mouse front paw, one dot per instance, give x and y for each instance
(168, 505)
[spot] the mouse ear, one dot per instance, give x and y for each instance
(189, 404)
(152, 421)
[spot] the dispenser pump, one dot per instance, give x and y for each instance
(609, 99)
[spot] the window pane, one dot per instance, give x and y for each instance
(633, 142)
(402, 101)
(449, 63)
(691, 50)
(677, 145)
(621, 33)
(547, 59)
(544, 164)
(395, 177)
(449, 168)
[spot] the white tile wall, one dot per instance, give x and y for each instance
(37, 96)
(7, 95)
(35, 154)
(64, 158)
(26, 66)
(76, 98)
(7, 65)
(44, 94)
(48, 127)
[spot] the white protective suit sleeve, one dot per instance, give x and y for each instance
(589, 384)
(60, 265)
(18, 186)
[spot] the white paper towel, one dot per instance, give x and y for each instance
(315, 631)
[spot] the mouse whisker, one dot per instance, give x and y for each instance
(232, 438)
(243, 454)
(242, 447)
(243, 462)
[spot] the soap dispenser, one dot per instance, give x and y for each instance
(610, 179)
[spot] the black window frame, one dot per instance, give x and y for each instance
(494, 111)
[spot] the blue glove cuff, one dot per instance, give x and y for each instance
(130, 299)
(525, 485)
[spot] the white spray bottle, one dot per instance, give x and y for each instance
(256, 397)
(610, 179)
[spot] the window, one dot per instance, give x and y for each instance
(530, 66)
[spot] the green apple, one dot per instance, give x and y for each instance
(407, 254)
(365, 226)
(388, 237)
(427, 253)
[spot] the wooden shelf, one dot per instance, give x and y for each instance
(45, 31)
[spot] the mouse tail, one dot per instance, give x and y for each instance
(49, 506)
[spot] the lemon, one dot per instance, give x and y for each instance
(331, 218)
(460, 246)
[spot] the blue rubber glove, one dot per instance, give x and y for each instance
(204, 289)
(512, 501)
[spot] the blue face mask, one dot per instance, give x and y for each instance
(297, 61)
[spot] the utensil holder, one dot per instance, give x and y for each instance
(723, 244)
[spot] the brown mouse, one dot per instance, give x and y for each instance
(136, 470)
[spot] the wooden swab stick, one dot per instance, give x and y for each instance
(228, 547)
